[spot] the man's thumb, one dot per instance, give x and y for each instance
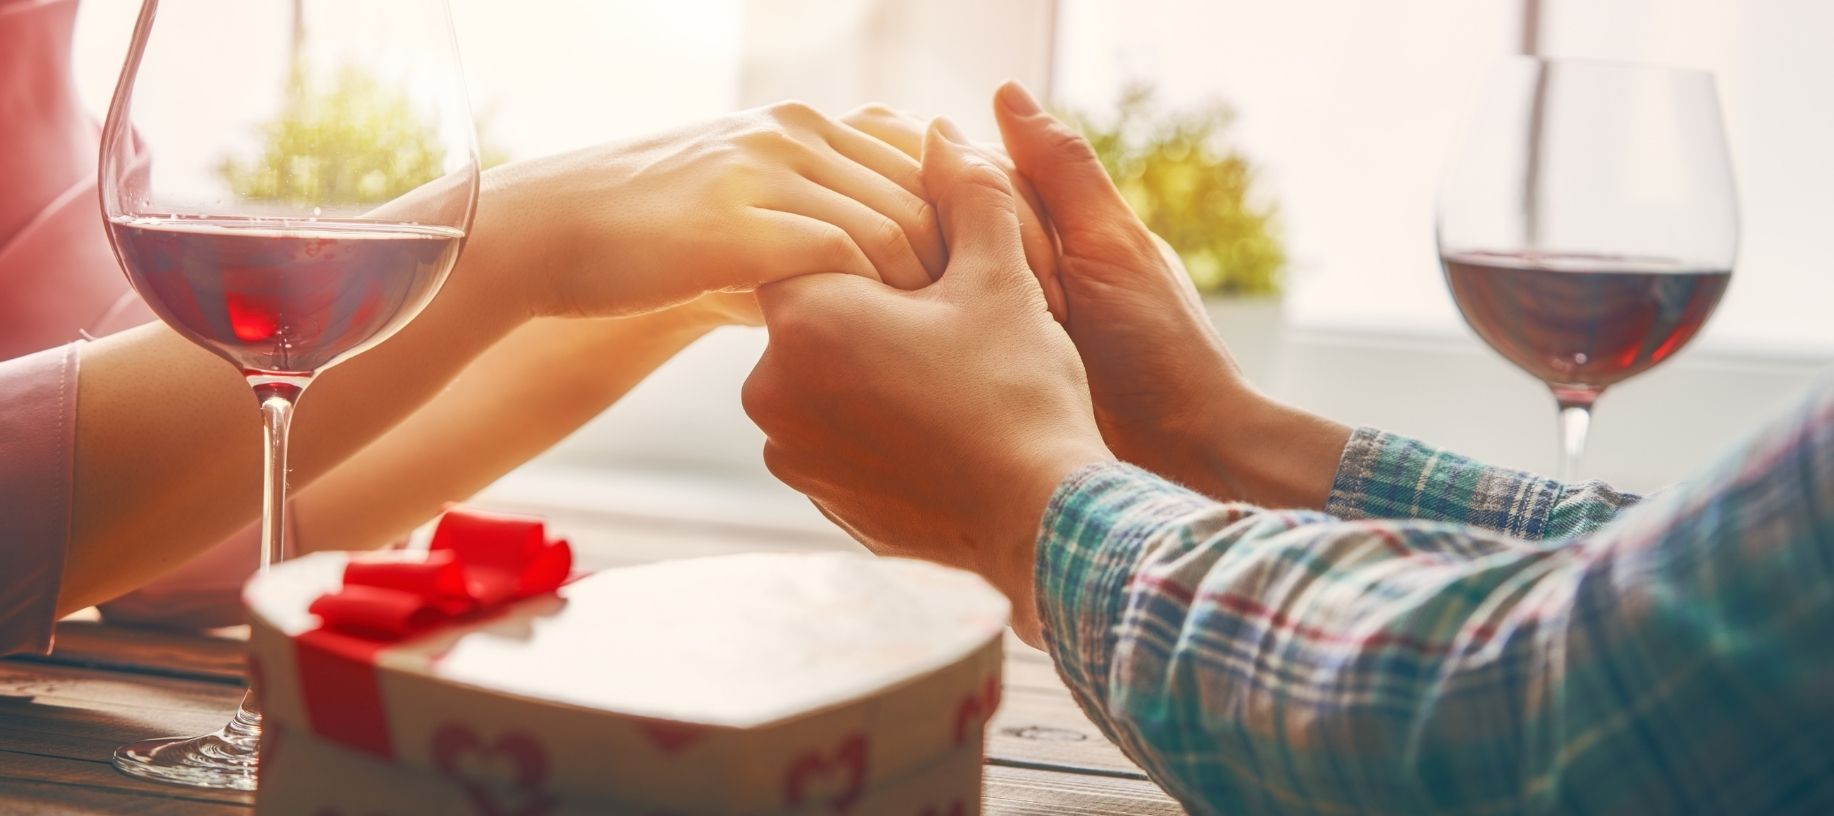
(1060, 164)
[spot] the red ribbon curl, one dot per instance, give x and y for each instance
(478, 562)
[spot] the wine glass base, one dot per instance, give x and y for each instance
(225, 760)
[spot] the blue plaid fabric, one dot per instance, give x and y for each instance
(1455, 638)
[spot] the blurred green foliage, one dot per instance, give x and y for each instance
(1193, 190)
(354, 142)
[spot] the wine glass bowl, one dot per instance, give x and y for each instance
(1589, 227)
(283, 299)
(286, 183)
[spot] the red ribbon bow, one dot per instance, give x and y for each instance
(477, 562)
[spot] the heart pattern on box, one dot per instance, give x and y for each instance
(670, 737)
(976, 709)
(845, 764)
(454, 743)
(955, 808)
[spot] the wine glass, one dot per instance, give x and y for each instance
(1589, 227)
(286, 183)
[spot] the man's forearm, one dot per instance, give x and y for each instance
(1264, 452)
(1268, 661)
(1257, 450)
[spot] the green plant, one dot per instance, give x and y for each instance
(1193, 190)
(355, 141)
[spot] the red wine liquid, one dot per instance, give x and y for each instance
(284, 298)
(1583, 321)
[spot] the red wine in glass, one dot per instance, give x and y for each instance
(1582, 322)
(283, 297)
(1589, 226)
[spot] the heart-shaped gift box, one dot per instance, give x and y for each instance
(738, 684)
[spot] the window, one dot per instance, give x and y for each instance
(545, 77)
(1354, 109)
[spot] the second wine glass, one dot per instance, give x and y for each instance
(1589, 228)
(286, 183)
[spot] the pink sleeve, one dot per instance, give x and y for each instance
(37, 452)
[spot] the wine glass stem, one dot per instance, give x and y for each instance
(277, 400)
(1575, 423)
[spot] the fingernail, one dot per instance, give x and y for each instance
(1019, 100)
(949, 130)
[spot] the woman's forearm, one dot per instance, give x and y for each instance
(516, 400)
(168, 450)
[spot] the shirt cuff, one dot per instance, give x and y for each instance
(37, 450)
(1090, 541)
(1388, 476)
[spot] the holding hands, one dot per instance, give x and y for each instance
(937, 423)
(873, 400)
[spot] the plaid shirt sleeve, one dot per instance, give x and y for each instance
(1385, 476)
(1675, 659)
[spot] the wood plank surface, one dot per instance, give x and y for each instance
(1018, 791)
(62, 715)
(215, 655)
(26, 777)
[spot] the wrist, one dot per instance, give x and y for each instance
(511, 246)
(1200, 444)
(1014, 561)
(1273, 454)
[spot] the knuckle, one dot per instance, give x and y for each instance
(980, 174)
(790, 467)
(797, 112)
(923, 214)
(785, 321)
(834, 249)
(770, 140)
(777, 461)
(755, 395)
(888, 235)
(1068, 145)
(870, 110)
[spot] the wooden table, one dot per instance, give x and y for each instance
(61, 717)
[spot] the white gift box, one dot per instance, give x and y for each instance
(825, 683)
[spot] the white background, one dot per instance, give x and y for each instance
(1350, 108)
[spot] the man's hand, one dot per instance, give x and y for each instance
(1168, 396)
(935, 423)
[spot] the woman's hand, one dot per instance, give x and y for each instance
(718, 206)
(905, 132)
